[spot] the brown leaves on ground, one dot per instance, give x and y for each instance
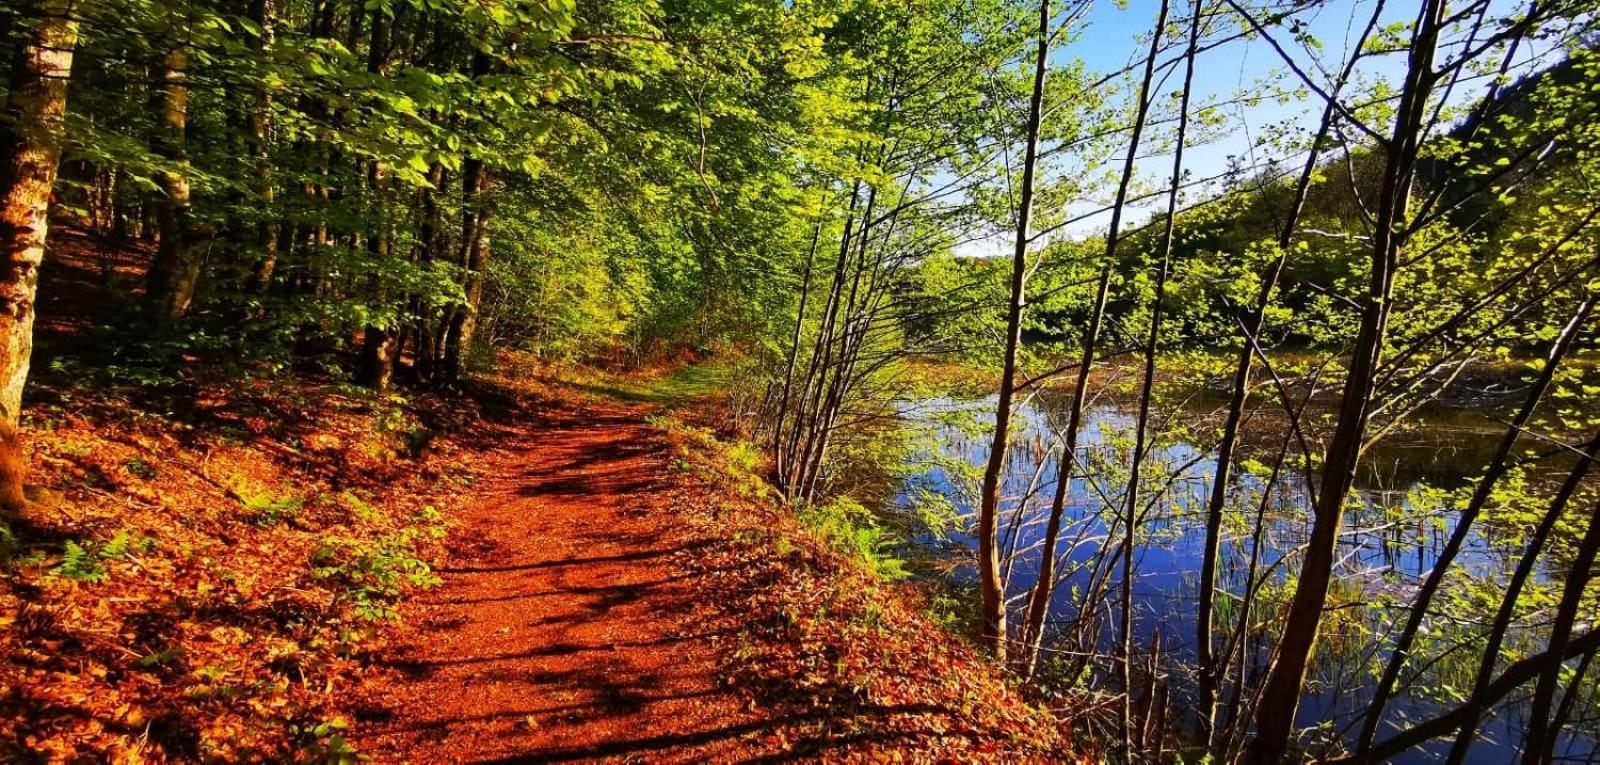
(207, 583)
(849, 665)
(219, 584)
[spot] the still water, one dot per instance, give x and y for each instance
(1383, 551)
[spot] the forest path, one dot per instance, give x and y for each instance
(562, 631)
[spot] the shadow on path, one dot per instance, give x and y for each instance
(563, 630)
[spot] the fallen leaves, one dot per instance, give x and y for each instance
(856, 671)
(167, 607)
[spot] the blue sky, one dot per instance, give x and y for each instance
(1111, 40)
(1240, 66)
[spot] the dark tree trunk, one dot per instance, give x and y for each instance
(1509, 680)
(474, 255)
(1043, 590)
(1538, 748)
(429, 241)
(380, 342)
(1211, 667)
(780, 456)
(1280, 696)
(991, 587)
(1464, 523)
(1479, 701)
(1130, 520)
(175, 271)
(802, 445)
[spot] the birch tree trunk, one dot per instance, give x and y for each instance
(30, 148)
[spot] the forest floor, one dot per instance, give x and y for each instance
(247, 565)
(617, 591)
(564, 628)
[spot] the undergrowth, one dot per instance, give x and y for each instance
(221, 558)
(822, 625)
(845, 525)
(850, 528)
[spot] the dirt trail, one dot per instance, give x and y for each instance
(563, 631)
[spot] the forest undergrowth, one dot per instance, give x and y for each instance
(827, 637)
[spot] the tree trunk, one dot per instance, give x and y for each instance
(426, 352)
(1211, 668)
(261, 12)
(1509, 680)
(475, 260)
(1130, 520)
(991, 586)
(1458, 536)
(1280, 696)
(833, 397)
(1044, 588)
(462, 321)
(1538, 748)
(465, 330)
(1479, 700)
(803, 442)
(175, 271)
(30, 148)
(380, 342)
(779, 455)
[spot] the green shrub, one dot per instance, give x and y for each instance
(851, 529)
(375, 573)
(86, 561)
(267, 509)
(80, 564)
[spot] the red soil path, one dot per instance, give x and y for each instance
(564, 630)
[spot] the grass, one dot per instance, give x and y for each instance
(683, 384)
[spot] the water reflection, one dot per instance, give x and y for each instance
(1393, 532)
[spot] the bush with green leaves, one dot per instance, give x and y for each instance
(374, 574)
(852, 529)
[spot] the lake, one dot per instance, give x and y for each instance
(1381, 551)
